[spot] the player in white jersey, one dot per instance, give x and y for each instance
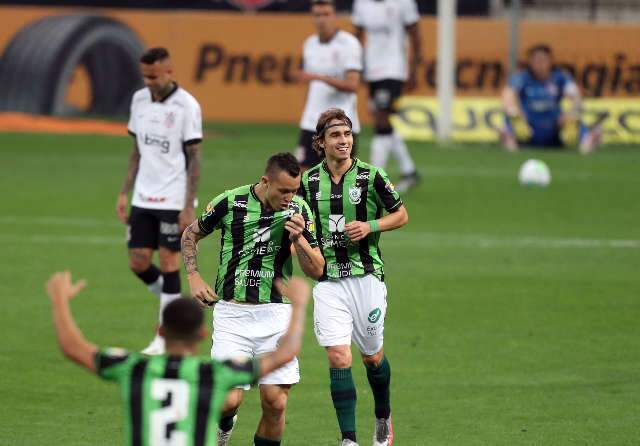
(383, 27)
(332, 65)
(166, 124)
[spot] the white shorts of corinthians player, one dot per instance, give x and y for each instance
(247, 331)
(349, 309)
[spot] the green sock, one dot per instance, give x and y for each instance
(259, 441)
(343, 394)
(379, 380)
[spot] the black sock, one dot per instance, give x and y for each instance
(226, 423)
(150, 275)
(171, 283)
(259, 441)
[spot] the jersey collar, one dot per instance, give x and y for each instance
(353, 166)
(168, 95)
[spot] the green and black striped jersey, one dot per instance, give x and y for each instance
(363, 192)
(172, 399)
(255, 247)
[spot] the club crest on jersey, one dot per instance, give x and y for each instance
(355, 195)
(169, 119)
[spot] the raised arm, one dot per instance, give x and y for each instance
(70, 339)
(297, 290)
(199, 288)
(309, 258)
(415, 55)
(187, 215)
(132, 172)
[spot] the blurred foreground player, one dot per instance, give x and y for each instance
(532, 104)
(332, 65)
(172, 399)
(166, 123)
(383, 27)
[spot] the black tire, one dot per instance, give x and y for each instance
(37, 65)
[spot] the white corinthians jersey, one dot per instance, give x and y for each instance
(384, 23)
(162, 130)
(343, 53)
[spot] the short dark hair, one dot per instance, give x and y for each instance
(323, 124)
(540, 47)
(282, 161)
(182, 320)
(153, 55)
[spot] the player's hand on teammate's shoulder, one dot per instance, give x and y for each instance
(201, 290)
(296, 289)
(186, 217)
(295, 226)
(121, 208)
(60, 287)
(357, 230)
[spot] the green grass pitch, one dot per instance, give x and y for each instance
(513, 316)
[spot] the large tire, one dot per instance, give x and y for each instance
(37, 65)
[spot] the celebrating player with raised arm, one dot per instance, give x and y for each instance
(165, 165)
(347, 198)
(259, 223)
(332, 65)
(383, 26)
(173, 398)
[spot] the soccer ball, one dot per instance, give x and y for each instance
(534, 173)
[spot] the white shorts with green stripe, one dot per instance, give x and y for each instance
(350, 309)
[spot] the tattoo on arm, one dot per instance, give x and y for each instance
(132, 171)
(190, 238)
(193, 172)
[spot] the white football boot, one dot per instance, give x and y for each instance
(347, 442)
(156, 347)
(223, 437)
(383, 435)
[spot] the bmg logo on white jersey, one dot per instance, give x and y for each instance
(157, 141)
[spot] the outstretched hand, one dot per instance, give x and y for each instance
(60, 287)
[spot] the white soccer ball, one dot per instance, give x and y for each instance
(534, 173)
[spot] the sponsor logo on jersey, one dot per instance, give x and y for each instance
(374, 315)
(240, 204)
(355, 195)
(314, 177)
(318, 195)
(390, 187)
(158, 141)
(340, 269)
(363, 176)
(311, 226)
(262, 235)
(252, 278)
(336, 223)
(208, 212)
(336, 195)
(152, 199)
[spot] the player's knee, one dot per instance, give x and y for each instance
(139, 262)
(274, 403)
(339, 358)
(382, 124)
(374, 360)
(169, 261)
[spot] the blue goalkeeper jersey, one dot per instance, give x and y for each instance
(540, 101)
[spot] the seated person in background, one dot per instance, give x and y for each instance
(532, 104)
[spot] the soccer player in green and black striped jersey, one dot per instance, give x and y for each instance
(348, 198)
(176, 398)
(259, 223)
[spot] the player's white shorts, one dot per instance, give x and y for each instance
(349, 309)
(252, 330)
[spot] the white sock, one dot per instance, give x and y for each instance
(401, 153)
(166, 299)
(380, 147)
(156, 287)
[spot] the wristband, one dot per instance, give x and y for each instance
(373, 224)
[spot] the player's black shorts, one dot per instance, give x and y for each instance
(150, 228)
(307, 156)
(383, 94)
